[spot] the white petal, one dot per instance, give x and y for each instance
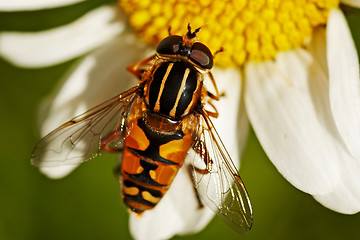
(63, 43)
(177, 212)
(27, 5)
(353, 3)
(98, 77)
(317, 48)
(57, 172)
(345, 198)
(344, 80)
(288, 107)
(231, 106)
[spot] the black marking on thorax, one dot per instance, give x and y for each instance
(172, 88)
(156, 139)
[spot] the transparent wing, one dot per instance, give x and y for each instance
(82, 138)
(217, 181)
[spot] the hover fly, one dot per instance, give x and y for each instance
(154, 125)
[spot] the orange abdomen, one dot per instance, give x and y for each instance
(151, 159)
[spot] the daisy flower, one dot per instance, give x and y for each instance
(290, 68)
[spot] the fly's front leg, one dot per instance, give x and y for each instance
(139, 68)
(169, 30)
(218, 51)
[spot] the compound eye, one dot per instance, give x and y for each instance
(201, 55)
(170, 45)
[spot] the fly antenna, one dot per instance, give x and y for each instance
(190, 34)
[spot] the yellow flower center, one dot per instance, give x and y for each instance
(247, 30)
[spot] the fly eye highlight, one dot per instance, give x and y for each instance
(201, 55)
(170, 45)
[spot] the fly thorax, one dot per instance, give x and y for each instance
(174, 90)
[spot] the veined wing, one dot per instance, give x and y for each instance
(80, 139)
(217, 180)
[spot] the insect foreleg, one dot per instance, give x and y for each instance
(139, 68)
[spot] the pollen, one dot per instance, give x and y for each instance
(247, 30)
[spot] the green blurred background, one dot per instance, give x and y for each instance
(87, 204)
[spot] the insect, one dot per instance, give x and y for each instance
(154, 125)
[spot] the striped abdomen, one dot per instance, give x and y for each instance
(151, 159)
(174, 90)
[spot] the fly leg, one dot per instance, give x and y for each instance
(113, 142)
(213, 113)
(117, 171)
(139, 68)
(218, 51)
(169, 30)
(189, 169)
(216, 97)
(201, 150)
